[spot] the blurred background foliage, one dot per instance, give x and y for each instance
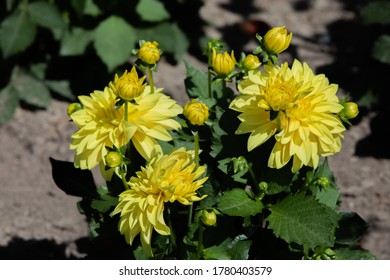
(64, 48)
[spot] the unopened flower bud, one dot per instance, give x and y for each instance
(149, 52)
(239, 164)
(196, 112)
(113, 159)
(73, 107)
(128, 86)
(223, 63)
(277, 40)
(350, 110)
(263, 186)
(209, 218)
(251, 62)
(323, 183)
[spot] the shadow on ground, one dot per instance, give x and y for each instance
(44, 249)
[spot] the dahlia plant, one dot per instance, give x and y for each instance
(239, 172)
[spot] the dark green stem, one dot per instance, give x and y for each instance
(253, 176)
(196, 148)
(199, 250)
(172, 236)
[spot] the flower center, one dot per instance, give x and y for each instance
(280, 94)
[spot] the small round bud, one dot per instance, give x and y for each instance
(149, 52)
(251, 62)
(239, 164)
(223, 63)
(323, 183)
(113, 159)
(128, 86)
(209, 218)
(277, 40)
(350, 110)
(196, 112)
(263, 186)
(73, 107)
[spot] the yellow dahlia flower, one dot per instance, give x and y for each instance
(277, 39)
(294, 105)
(223, 63)
(100, 125)
(196, 112)
(149, 52)
(166, 178)
(128, 86)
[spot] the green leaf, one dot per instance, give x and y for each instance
(91, 8)
(29, 89)
(351, 228)
(381, 49)
(85, 7)
(303, 220)
(113, 40)
(17, 33)
(170, 37)
(38, 70)
(62, 88)
(240, 250)
(8, 103)
(236, 249)
(196, 82)
(324, 170)
(329, 197)
(10, 4)
(152, 10)
(236, 202)
(353, 254)
(75, 42)
(48, 16)
(218, 252)
(105, 202)
(376, 12)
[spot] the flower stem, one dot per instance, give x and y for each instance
(209, 75)
(200, 242)
(223, 85)
(196, 148)
(124, 181)
(172, 237)
(150, 75)
(253, 176)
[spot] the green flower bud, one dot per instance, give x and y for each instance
(73, 107)
(239, 164)
(323, 254)
(323, 183)
(263, 186)
(113, 159)
(209, 218)
(350, 110)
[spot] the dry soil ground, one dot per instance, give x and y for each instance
(40, 221)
